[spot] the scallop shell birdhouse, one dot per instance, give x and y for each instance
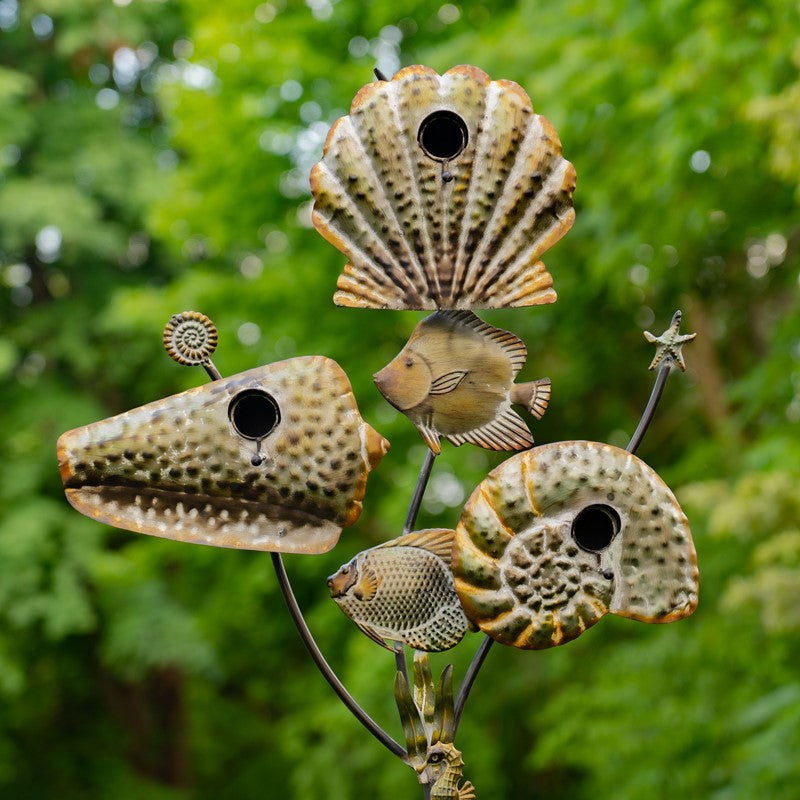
(443, 191)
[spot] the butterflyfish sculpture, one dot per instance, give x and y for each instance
(443, 191)
(403, 591)
(455, 378)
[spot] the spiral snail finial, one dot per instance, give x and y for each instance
(190, 338)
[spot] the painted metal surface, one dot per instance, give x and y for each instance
(669, 346)
(443, 192)
(560, 535)
(429, 726)
(275, 458)
(403, 591)
(455, 378)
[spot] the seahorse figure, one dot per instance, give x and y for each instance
(429, 726)
(443, 768)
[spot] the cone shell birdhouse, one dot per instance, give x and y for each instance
(275, 458)
(443, 191)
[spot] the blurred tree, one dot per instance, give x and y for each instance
(154, 157)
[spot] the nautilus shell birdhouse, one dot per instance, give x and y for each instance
(560, 535)
(275, 458)
(443, 191)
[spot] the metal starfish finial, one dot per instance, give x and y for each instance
(669, 344)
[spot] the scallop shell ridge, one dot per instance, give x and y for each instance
(416, 241)
(523, 577)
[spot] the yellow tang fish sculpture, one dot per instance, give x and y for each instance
(455, 378)
(403, 591)
(556, 537)
(275, 458)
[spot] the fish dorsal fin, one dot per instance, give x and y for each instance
(507, 431)
(367, 584)
(367, 631)
(445, 384)
(510, 344)
(438, 541)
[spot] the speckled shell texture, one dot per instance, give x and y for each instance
(520, 573)
(416, 241)
(177, 468)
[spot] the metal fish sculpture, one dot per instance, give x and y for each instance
(443, 191)
(455, 378)
(402, 591)
(275, 458)
(558, 536)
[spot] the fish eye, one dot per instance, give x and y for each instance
(594, 527)
(435, 758)
(409, 362)
(254, 414)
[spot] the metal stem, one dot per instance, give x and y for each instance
(419, 490)
(650, 409)
(400, 660)
(323, 666)
(213, 372)
(655, 397)
(469, 678)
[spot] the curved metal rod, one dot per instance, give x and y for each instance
(323, 666)
(633, 445)
(469, 678)
(650, 409)
(211, 370)
(419, 490)
(310, 643)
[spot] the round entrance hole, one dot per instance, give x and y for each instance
(442, 135)
(595, 527)
(254, 414)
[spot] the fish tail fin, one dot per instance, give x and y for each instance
(535, 396)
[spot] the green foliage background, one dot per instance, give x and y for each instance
(154, 157)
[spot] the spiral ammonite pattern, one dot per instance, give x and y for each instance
(190, 338)
(560, 535)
